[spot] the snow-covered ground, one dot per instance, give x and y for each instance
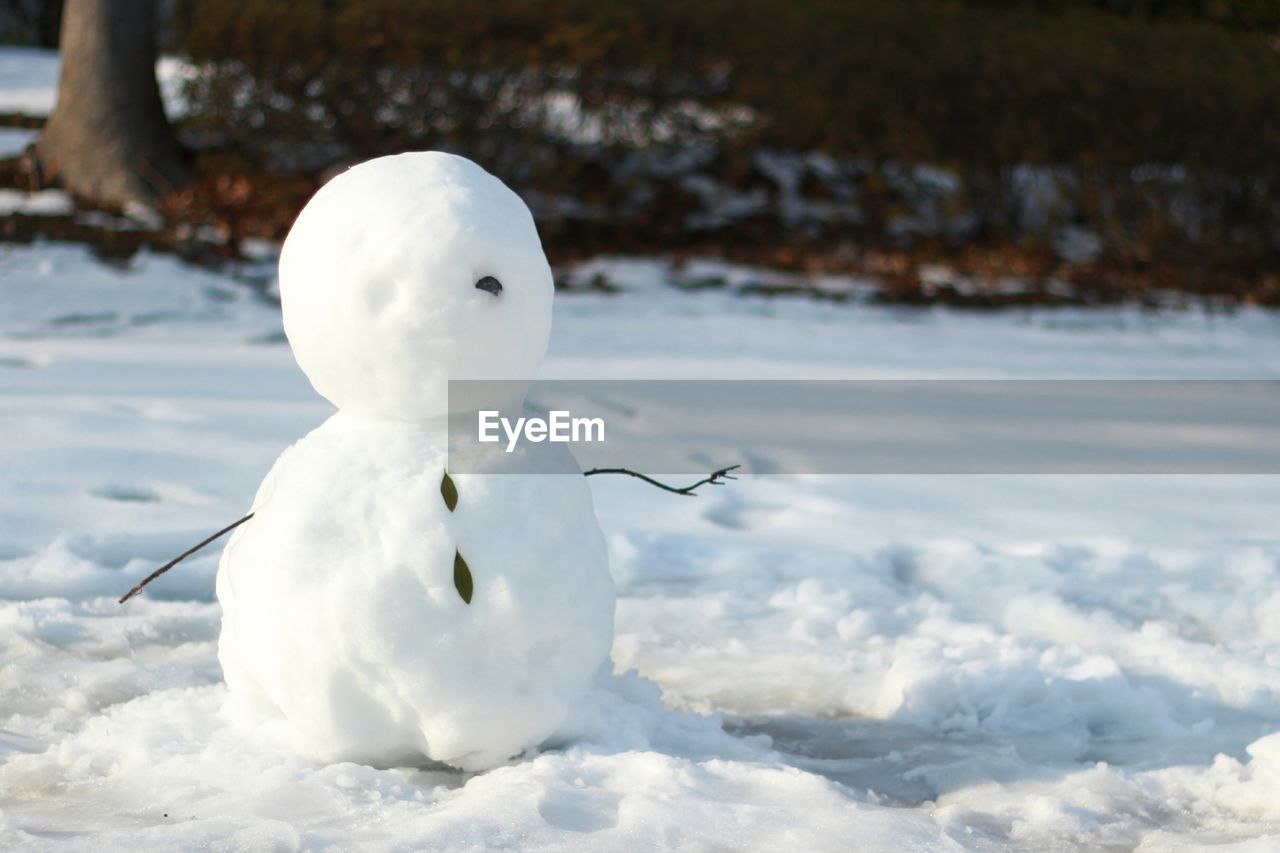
(844, 662)
(29, 81)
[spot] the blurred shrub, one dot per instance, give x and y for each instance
(30, 22)
(1255, 15)
(558, 95)
(974, 84)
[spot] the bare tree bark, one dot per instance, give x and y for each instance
(108, 140)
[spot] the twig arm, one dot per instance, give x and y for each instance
(715, 479)
(178, 559)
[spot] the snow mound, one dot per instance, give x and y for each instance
(342, 607)
(379, 282)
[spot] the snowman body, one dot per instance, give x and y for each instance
(343, 607)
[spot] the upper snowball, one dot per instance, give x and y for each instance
(406, 271)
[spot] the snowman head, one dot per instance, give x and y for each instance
(407, 271)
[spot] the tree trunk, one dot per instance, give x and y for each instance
(108, 140)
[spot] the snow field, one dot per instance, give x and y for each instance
(910, 662)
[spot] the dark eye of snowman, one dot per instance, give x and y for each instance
(489, 284)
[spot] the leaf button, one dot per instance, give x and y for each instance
(462, 577)
(449, 492)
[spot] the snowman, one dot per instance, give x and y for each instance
(388, 610)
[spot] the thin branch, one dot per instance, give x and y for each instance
(716, 478)
(178, 559)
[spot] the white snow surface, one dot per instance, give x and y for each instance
(14, 140)
(816, 663)
(39, 203)
(29, 81)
